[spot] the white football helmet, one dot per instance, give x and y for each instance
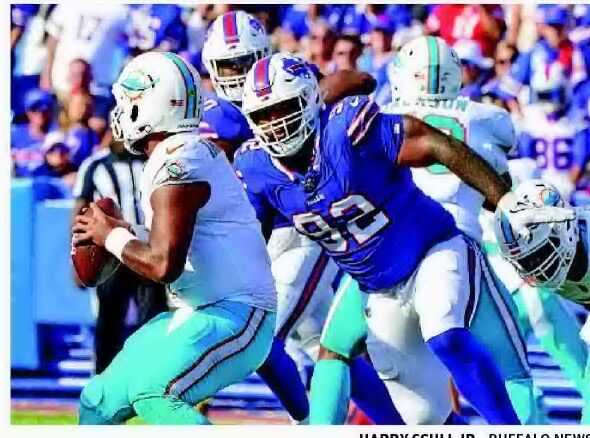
(156, 92)
(236, 40)
(282, 103)
(428, 68)
(546, 258)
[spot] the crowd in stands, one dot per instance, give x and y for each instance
(66, 57)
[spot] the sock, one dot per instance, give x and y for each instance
(330, 392)
(280, 373)
(525, 401)
(370, 394)
(475, 374)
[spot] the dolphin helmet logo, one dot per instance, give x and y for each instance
(136, 83)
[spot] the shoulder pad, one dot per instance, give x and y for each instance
(354, 114)
(496, 122)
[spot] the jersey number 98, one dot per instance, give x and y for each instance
(353, 218)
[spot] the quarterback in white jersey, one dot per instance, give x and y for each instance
(202, 240)
(488, 130)
(557, 257)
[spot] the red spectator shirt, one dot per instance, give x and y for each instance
(456, 22)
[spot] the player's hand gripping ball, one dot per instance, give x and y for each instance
(92, 262)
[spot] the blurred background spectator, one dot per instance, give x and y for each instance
(26, 139)
(91, 32)
(483, 24)
(74, 53)
(57, 162)
(347, 50)
(476, 68)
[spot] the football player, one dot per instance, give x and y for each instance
(540, 311)
(304, 275)
(558, 142)
(553, 256)
(488, 131)
(340, 175)
(202, 240)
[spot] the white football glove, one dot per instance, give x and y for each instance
(521, 215)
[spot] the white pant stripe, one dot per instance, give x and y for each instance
(218, 355)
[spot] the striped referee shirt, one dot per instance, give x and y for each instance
(106, 174)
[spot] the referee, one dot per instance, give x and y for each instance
(114, 173)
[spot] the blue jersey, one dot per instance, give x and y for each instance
(152, 25)
(26, 150)
(222, 120)
(355, 201)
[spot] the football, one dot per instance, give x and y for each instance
(94, 264)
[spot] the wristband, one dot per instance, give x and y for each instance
(116, 241)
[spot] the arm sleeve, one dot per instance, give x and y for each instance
(253, 187)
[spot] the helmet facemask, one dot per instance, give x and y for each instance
(129, 137)
(283, 127)
(549, 263)
(229, 74)
(546, 257)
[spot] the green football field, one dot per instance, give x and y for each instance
(41, 413)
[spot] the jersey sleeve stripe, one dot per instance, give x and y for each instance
(362, 121)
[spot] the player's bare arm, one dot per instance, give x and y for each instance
(163, 256)
(344, 83)
(425, 145)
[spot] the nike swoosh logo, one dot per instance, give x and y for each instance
(171, 149)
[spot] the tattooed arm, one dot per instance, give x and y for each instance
(425, 145)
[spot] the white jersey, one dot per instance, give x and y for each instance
(227, 258)
(90, 31)
(551, 143)
(487, 129)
